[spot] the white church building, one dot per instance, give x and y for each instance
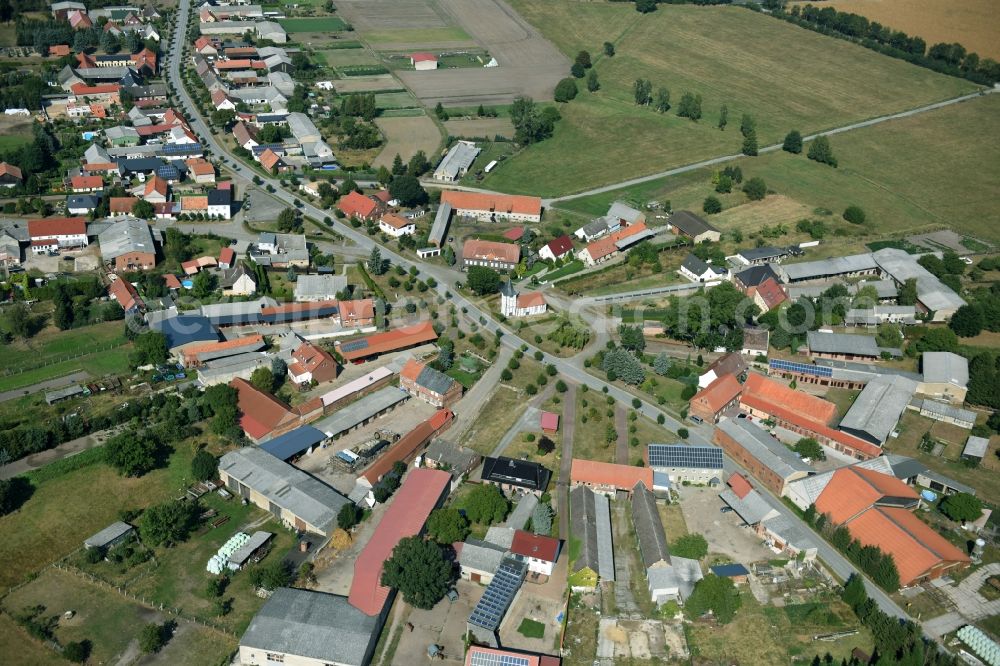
(513, 304)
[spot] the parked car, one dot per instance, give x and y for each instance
(725, 509)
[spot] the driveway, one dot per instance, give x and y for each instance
(700, 507)
(58, 382)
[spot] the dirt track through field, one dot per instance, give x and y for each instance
(529, 64)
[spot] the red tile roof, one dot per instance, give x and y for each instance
(260, 413)
(393, 340)
(500, 203)
(776, 393)
(10, 170)
(719, 393)
(851, 490)
(530, 299)
(549, 421)
(915, 546)
(622, 477)
(423, 57)
(155, 184)
(86, 182)
(739, 484)
(405, 517)
(560, 246)
(539, 547)
(382, 195)
(101, 89)
(357, 205)
(491, 251)
(235, 63)
(602, 247)
(514, 234)
(171, 281)
(770, 291)
(191, 353)
(122, 204)
(531, 659)
(59, 50)
(269, 159)
(307, 357)
(57, 226)
(126, 295)
(358, 310)
(314, 307)
(227, 255)
(407, 445)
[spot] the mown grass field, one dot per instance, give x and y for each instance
(417, 35)
(927, 171)
(786, 77)
(315, 24)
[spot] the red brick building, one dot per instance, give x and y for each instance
(430, 385)
(709, 403)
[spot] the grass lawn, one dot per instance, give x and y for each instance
(843, 398)
(537, 330)
(108, 620)
(672, 517)
(12, 141)
(531, 628)
(592, 421)
(417, 35)
(315, 24)
(51, 344)
(622, 276)
(769, 635)
(884, 169)
(984, 478)
(348, 57)
(566, 269)
(395, 100)
(502, 410)
(785, 76)
(15, 640)
(67, 508)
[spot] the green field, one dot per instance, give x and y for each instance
(417, 35)
(12, 141)
(319, 24)
(786, 77)
(930, 170)
(348, 57)
(396, 100)
(47, 355)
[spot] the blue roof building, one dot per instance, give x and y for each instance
(294, 443)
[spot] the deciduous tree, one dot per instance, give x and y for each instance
(418, 569)
(793, 142)
(447, 525)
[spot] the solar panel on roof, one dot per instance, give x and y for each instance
(801, 368)
(498, 596)
(354, 345)
(682, 455)
(491, 659)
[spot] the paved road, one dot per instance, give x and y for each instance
(767, 149)
(570, 370)
(58, 382)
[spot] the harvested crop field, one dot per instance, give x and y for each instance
(405, 136)
(528, 63)
(477, 127)
(975, 24)
(356, 84)
(786, 77)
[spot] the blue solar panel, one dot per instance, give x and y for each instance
(498, 596)
(683, 455)
(354, 345)
(491, 659)
(801, 368)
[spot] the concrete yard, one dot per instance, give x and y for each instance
(443, 625)
(700, 507)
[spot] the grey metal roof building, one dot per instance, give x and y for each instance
(878, 407)
(518, 518)
(858, 371)
(282, 486)
(110, 535)
(257, 540)
(459, 459)
(752, 507)
(910, 470)
(590, 522)
(766, 449)
(944, 368)
(312, 625)
(827, 268)
(319, 287)
(648, 527)
(439, 229)
(904, 314)
(756, 275)
(621, 211)
(128, 235)
(842, 344)
(931, 292)
(756, 255)
(361, 410)
(940, 411)
(976, 447)
(434, 380)
(481, 555)
(690, 224)
(456, 163)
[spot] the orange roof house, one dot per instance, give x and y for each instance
(261, 414)
(51, 227)
(609, 477)
(709, 403)
(126, 295)
(606, 247)
(156, 188)
(395, 221)
(875, 508)
(760, 389)
(767, 295)
(512, 206)
(359, 312)
(531, 299)
(59, 50)
(195, 354)
(358, 205)
(10, 174)
(361, 349)
(739, 484)
(312, 363)
(122, 205)
(270, 160)
(86, 183)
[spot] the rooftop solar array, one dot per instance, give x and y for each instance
(683, 455)
(498, 596)
(801, 368)
(493, 659)
(354, 345)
